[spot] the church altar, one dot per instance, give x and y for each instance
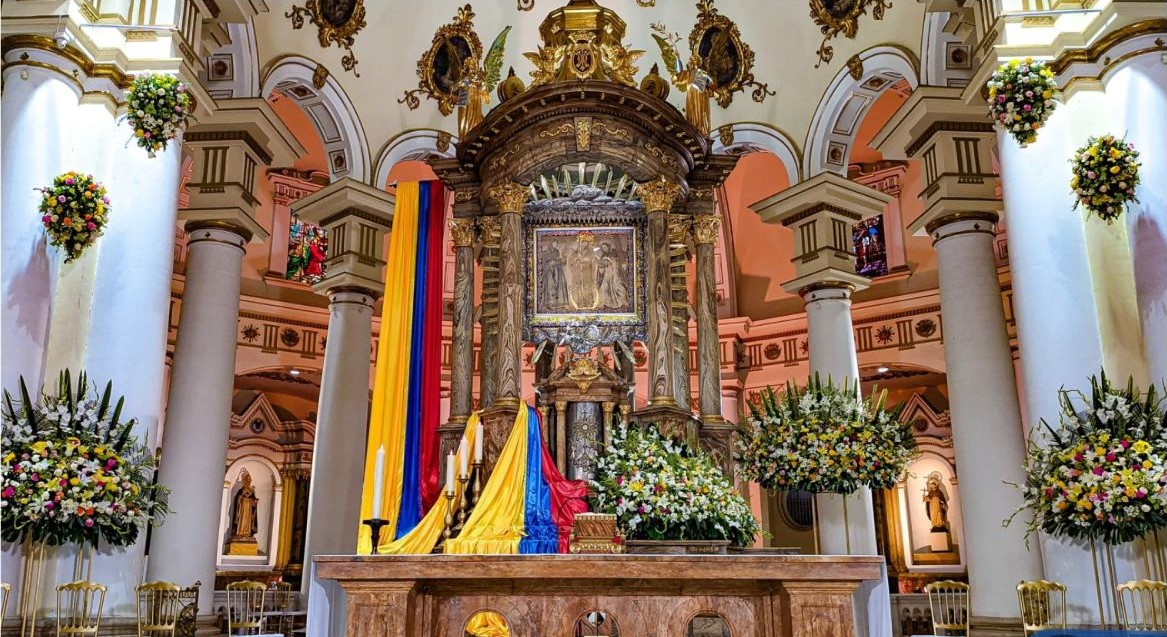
(643, 595)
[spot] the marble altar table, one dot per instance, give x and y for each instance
(647, 595)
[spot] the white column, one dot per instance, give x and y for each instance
(39, 108)
(194, 452)
(989, 439)
(1053, 302)
(334, 504)
(128, 325)
(1136, 97)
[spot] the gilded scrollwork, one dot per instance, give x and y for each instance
(835, 17)
(706, 228)
(509, 196)
(658, 195)
(463, 231)
(441, 68)
(337, 22)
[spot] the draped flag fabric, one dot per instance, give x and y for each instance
(404, 415)
(526, 506)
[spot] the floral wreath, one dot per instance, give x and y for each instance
(1021, 98)
(823, 439)
(1106, 173)
(158, 109)
(74, 212)
(1103, 474)
(72, 471)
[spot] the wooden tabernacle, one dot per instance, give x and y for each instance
(647, 595)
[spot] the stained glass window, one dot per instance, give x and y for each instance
(870, 251)
(307, 250)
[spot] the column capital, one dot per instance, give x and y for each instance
(706, 228)
(509, 196)
(463, 231)
(658, 195)
(822, 212)
(961, 222)
(356, 217)
(488, 229)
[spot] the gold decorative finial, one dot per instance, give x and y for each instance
(583, 41)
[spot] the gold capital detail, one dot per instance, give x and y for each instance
(509, 196)
(658, 195)
(490, 230)
(705, 228)
(463, 232)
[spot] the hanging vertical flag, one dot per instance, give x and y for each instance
(405, 410)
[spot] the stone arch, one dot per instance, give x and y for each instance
(945, 58)
(331, 112)
(233, 70)
(847, 100)
(750, 137)
(415, 145)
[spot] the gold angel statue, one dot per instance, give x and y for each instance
(477, 83)
(692, 79)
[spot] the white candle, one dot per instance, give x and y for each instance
(378, 481)
(478, 442)
(463, 459)
(450, 473)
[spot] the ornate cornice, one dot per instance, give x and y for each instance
(1095, 51)
(218, 224)
(706, 227)
(359, 213)
(954, 127)
(509, 196)
(658, 195)
(71, 53)
(463, 231)
(990, 217)
(197, 136)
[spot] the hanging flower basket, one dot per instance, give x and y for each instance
(1103, 474)
(664, 492)
(74, 212)
(823, 439)
(158, 109)
(73, 472)
(1106, 173)
(1021, 98)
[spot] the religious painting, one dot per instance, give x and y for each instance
(585, 283)
(584, 270)
(441, 70)
(870, 249)
(307, 250)
(337, 12)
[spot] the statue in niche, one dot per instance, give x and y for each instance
(582, 269)
(936, 504)
(245, 519)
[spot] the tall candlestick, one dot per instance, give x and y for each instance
(463, 460)
(450, 473)
(478, 442)
(378, 482)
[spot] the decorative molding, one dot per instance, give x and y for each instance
(509, 196)
(244, 136)
(333, 26)
(951, 127)
(706, 228)
(463, 231)
(841, 18)
(658, 195)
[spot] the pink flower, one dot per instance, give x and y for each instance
(1000, 98)
(1110, 457)
(63, 482)
(47, 219)
(91, 226)
(1027, 107)
(61, 198)
(1097, 471)
(89, 522)
(9, 492)
(1125, 443)
(111, 463)
(69, 181)
(49, 506)
(105, 200)
(147, 135)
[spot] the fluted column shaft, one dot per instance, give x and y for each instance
(462, 345)
(194, 450)
(658, 197)
(705, 230)
(510, 198)
(488, 318)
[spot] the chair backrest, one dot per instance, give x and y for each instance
(1043, 605)
(158, 608)
(1143, 605)
(79, 606)
(245, 606)
(4, 589)
(281, 596)
(949, 601)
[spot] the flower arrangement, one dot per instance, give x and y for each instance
(660, 489)
(823, 439)
(74, 211)
(159, 106)
(1021, 98)
(1106, 173)
(72, 470)
(1103, 474)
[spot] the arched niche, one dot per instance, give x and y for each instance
(331, 111)
(708, 624)
(268, 486)
(596, 623)
(846, 101)
(487, 623)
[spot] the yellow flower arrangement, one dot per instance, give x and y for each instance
(1105, 176)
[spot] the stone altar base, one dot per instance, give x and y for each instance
(647, 595)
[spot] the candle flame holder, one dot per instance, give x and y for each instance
(375, 525)
(476, 488)
(463, 502)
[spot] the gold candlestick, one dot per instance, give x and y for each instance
(463, 502)
(448, 531)
(476, 489)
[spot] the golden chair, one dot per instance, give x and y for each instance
(281, 596)
(1143, 605)
(79, 606)
(245, 607)
(5, 589)
(950, 602)
(1043, 605)
(158, 608)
